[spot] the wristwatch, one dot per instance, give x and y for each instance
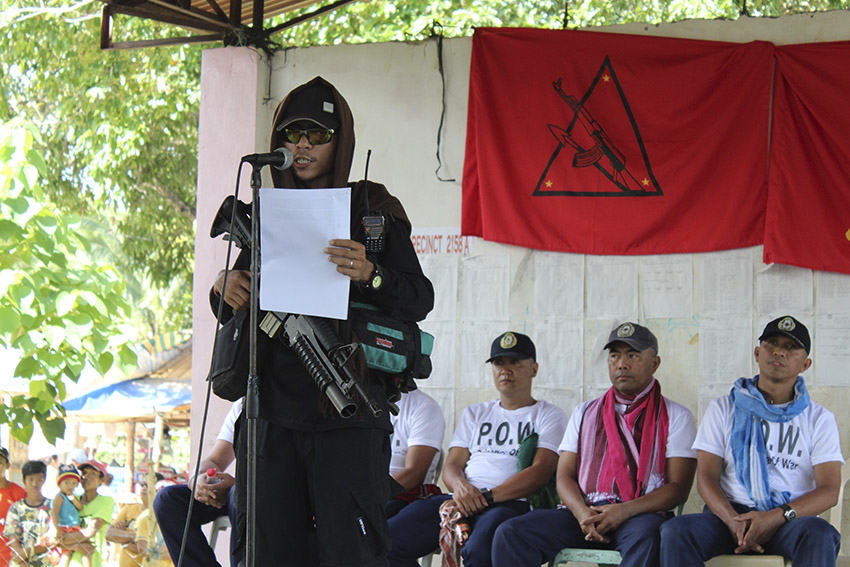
(376, 280)
(789, 512)
(488, 496)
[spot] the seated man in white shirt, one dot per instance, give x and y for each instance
(481, 469)
(417, 438)
(171, 504)
(769, 461)
(626, 461)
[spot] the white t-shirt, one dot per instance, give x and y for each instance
(493, 436)
(226, 431)
(419, 421)
(680, 437)
(793, 448)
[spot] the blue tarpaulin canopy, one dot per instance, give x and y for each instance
(131, 399)
(164, 387)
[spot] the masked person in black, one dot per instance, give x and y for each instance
(322, 480)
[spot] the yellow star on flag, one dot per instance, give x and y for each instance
(548, 183)
(606, 78)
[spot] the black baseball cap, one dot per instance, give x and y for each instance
(315, 103)
(636, 336)
(514, 345)
(790, 327)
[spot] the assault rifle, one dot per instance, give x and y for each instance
(328, 361)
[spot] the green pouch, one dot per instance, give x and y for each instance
(545, 497)
(391, 345)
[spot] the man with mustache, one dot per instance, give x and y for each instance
(769, 462)
(626, 461)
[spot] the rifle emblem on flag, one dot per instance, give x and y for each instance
(624, 163)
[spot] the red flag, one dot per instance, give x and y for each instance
(616, 144)
(808, 205)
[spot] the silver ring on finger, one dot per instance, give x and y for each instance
(351, 263)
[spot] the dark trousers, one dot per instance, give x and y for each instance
(537, 537)
(171, 506)
(415, 531)
(393, 506)
(320, 496)
(693, 539)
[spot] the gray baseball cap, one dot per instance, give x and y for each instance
(636, 336)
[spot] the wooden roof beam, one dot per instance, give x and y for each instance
(303, 18)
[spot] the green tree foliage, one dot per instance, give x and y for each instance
(382, 20)
(58, 309)
(119, 137)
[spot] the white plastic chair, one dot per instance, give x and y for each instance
(219, 525)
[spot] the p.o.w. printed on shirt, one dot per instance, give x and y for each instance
(503, 438)
(782, 441)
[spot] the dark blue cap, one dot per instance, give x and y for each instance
(514, 345)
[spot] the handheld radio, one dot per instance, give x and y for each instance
(373, 228)
(374, 223)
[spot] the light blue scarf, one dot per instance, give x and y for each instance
(748, 447)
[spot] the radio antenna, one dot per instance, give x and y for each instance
(366, 182)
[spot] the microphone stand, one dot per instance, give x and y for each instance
(252, 397)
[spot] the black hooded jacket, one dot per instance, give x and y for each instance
(288, 395)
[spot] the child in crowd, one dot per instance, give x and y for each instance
(65, 514)
(28, 521)
(9, 494)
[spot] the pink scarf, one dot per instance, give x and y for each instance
(623, 468)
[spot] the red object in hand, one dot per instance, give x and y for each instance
(211, 478)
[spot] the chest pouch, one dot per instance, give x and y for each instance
(391, 345)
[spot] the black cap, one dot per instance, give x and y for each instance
(514, 345)
(636, 336)
(315, 103)
(789, 327)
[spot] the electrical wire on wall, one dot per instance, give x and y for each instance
(439, 36)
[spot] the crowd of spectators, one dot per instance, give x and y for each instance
(43, 526)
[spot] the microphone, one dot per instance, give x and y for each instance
(281, 158)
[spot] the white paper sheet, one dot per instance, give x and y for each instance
(566, 399)
(295, 227)
(708, 392)
(444, 356)
(445, 397)
(725, 350)
(441, 240)
(558, 285)
(560, 353)
(443, 272)
(727, 283)
(832, 359)
(666, 283)
(785, 289)
(597, 360)
(612, 287)
(486, 289)
(475, 340)
(833, 292)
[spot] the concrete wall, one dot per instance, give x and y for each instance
(394, 90)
